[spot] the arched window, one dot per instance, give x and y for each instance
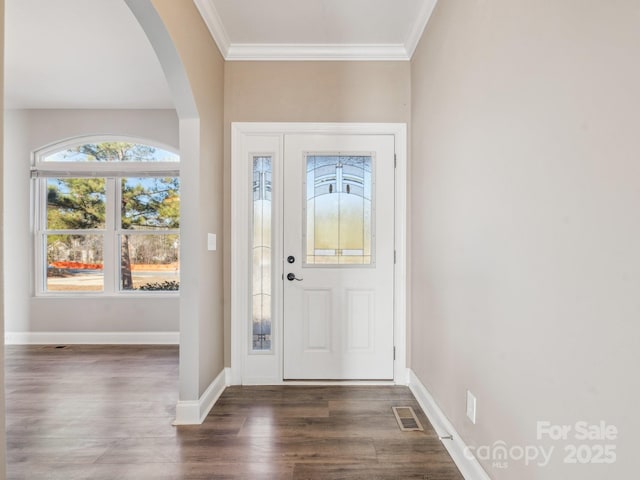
(107, 217)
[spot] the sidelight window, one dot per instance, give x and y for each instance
(261, 247)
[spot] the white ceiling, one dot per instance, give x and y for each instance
(94, 54)
(79, 54)
(316, 29)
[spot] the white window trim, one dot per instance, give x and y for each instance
(41, 170)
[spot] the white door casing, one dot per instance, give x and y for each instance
(248, 140)
(338, 232)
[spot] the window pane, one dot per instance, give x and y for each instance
(150, 262)
(75, 203)
(74, 263)
(150, 203)
(112, 152)
(261, 242)
(338, 210)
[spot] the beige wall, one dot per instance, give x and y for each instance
(27, 131)
(525, 194)
(308, 92)
(317, 92)
(201, 302)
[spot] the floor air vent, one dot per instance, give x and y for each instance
(407, 420)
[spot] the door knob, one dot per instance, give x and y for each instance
(292, 276)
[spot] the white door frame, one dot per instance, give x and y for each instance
(240, 242)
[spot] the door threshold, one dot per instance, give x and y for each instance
(349, 383)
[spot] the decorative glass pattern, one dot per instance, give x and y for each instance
(261, 273)
(339, 192)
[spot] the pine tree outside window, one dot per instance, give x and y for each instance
(107, 218)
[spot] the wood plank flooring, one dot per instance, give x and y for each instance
(105, 413)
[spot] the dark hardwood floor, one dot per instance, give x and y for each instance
(105, 413)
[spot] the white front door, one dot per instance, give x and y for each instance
(338, 252)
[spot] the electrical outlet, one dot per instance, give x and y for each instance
(471, 407)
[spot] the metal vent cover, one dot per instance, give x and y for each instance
(407, 419)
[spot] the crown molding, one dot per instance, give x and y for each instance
(311, 52)
(415, 34)
(214, 23)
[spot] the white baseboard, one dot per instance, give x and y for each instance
(92, 338)
(193, 412)
(466, 463)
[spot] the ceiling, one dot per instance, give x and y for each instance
(316, 29)
(94, 54)
(79, 54)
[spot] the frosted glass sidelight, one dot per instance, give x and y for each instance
(261, 246)
(339, 192)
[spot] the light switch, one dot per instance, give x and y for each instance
(211, 242)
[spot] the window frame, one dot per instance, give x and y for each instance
(113, 173)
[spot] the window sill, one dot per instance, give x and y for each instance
(110, 296)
